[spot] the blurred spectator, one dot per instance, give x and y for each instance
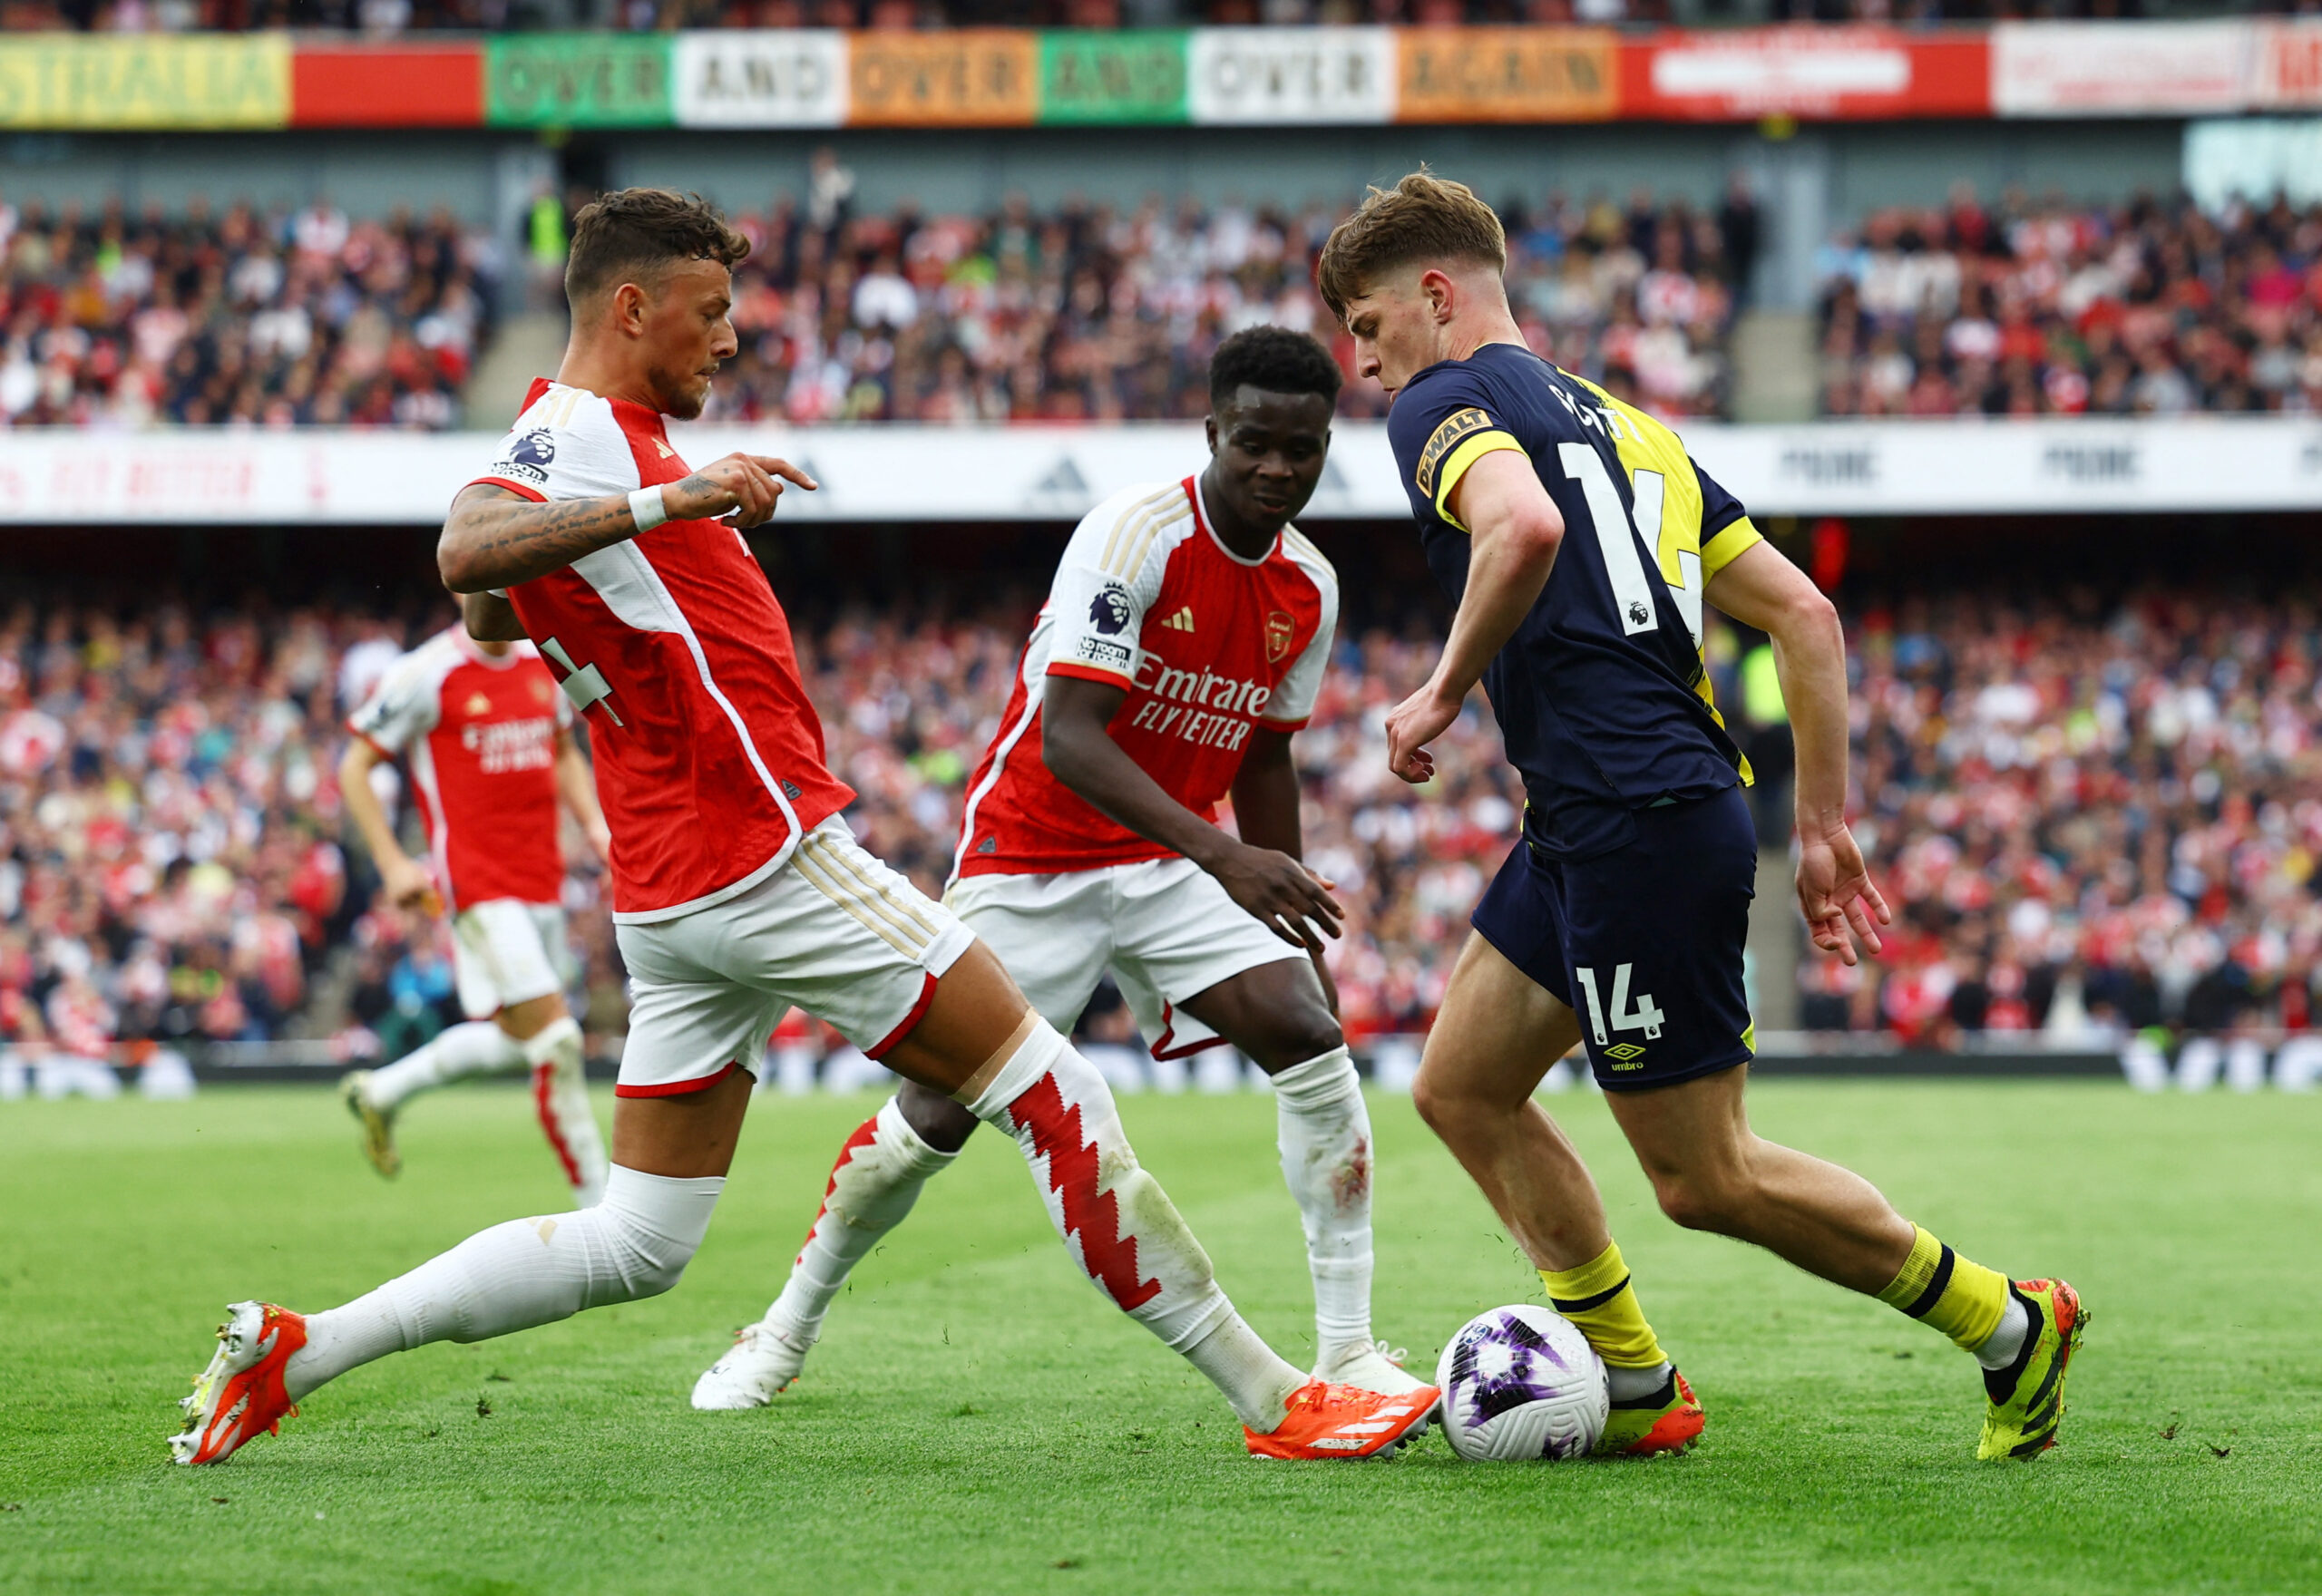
(2083, 815)
(312, 320)
(1086, 313)
(2039, 310)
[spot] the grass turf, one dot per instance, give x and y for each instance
(978, 1417)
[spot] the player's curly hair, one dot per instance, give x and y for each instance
(630, 234)
(1276, 359)
(1424, 218)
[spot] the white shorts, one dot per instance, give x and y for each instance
(1165, 926)
(505, 951)
(834, 931)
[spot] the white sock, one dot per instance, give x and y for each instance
(874, 1183)
(1120, 1225)
(478, 1047)
(2006, 1343)
(528, 1271)
(1627, 1385)
(1324, 1133)
(560, 1097)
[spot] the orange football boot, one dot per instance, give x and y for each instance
(241, 1395)
(1345, 1421)
(1669, 1420)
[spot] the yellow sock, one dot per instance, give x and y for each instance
(1956, 1295)
(1597, 1297)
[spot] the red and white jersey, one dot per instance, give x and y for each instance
(478, 734)
(1208, 645)
(708, 754)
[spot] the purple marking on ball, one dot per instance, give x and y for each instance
(1494, 1390)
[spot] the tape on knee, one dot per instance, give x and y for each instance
(557, 1042)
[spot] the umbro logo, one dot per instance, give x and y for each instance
(1183, 621)
(1626, 1052)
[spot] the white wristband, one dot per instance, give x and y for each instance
(646, 508)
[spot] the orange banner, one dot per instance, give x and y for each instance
(974, 77)
(1507, 74)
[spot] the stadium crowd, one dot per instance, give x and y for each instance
(394, 16)
(2085, 815)
(2038, 309)
(2081, 815)
(1084, 313)
(309, 318)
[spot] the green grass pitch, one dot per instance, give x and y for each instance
(977, 1419)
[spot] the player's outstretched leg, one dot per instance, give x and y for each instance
(916, 1135)
(1497, 1034)
(634, 1243)
(1121, 1227)
(477, 1047)
(1712, 1172)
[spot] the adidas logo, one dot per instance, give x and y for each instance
(1183, 621)
(988, 845)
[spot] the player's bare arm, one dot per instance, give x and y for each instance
(406, 882)
(576, 786)
(1270, 882)
(1761, 587)
(489, 617)
(497, 539)
(1516, 529)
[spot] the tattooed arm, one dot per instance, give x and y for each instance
(496, 538)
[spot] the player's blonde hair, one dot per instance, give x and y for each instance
(1422, 218)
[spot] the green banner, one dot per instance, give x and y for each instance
(577, 80)
(1137, 75)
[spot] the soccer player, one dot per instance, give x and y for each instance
(737, 889)
(484, 734)
(1579, 543)
(1185, 637)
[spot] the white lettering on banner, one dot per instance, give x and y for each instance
(761, 78)
(2122, 69)
(1784, 70)
(1314, 76)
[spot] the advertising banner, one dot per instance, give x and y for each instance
(387, 85)
(2205, 463)
(577, 80)
(144, 80)
(1326, 75)
(2122, 68)
(2290, 66)
(769, 78)
(1507, 74)
(1131, 76)
(964, 78)
(1816, 73)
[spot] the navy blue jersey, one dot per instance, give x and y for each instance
(1602, 694)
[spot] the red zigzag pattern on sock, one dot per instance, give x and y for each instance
(1094, 1217)
(864, 1134)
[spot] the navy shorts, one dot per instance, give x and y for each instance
(1643, 942)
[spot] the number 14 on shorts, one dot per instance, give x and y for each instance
(1640, 1014)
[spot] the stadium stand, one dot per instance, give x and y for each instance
(297, 318)
(1078, 314)
(2040, 309)
(2078, 811)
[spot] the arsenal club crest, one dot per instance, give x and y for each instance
(1279, 629)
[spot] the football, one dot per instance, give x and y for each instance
(1521, 1382)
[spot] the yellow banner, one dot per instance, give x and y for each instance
(189, 81)
(1461, 74)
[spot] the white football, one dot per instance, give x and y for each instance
(1522, 1382)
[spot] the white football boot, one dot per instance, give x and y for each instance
(1370, 1365)
(761, 1363)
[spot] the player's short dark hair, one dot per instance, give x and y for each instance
(1422, 218)
(632, 234)
(1277, 360)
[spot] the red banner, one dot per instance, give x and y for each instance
(386, 87)
(1809, 72)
